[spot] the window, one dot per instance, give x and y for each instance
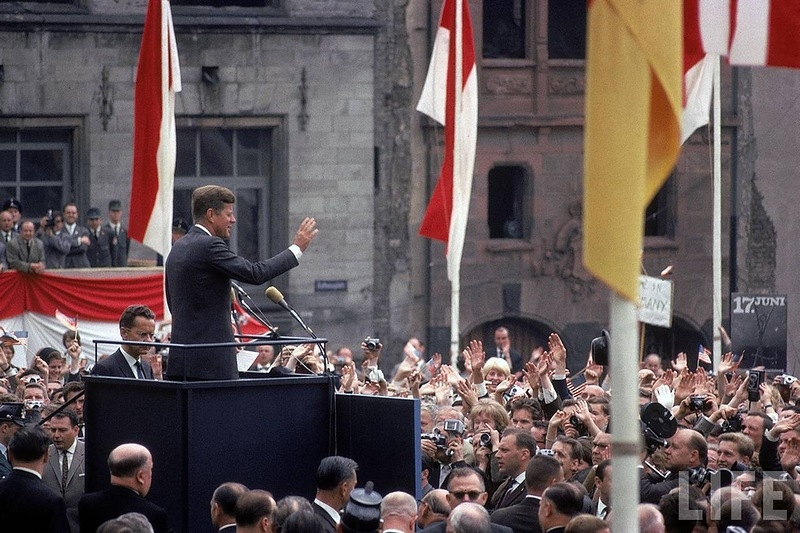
(506, 191)
(240, 159)
(35, 168)
(566, 29)
(504, 29)
(659, 218)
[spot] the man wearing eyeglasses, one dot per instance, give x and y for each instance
(465, 484)
(137, 324)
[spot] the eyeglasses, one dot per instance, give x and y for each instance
(472, 494)
(141, 335)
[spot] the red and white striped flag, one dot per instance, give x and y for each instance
(158, 78)
(450, 97)
(751, 32)
(698, 73)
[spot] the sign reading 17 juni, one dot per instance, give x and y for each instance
(758, 329)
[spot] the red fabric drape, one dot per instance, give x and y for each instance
(99, 299)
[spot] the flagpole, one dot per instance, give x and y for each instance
(625, 438)
(717, 224)
(455, 281)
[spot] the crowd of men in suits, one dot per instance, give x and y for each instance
(57, 240)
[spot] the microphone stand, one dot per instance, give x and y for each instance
(256, 313)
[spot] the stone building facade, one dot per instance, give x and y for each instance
(306, 107)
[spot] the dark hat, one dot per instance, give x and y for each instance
(114, 205)
(180, 224)
(362, 514)
(12, 203)
(14, 412)
(93, 212)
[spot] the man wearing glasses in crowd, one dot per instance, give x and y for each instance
(137, 324)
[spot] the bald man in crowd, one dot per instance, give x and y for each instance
(131, 468)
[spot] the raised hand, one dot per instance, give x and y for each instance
(680, 364)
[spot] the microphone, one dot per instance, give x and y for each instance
(275, 295)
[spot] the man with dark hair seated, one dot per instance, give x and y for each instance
(26, 504)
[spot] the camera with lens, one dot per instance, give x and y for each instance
(454, 426)
(50, 220)
(372, 344)
(33, 404)
(575, 421)
(701, 476)
(696, 402)
(485, 440)
(658, 425)
(437, 438)
(512, 392)
(733, 424)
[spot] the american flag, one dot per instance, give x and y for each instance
(703, 355)
(575, 391)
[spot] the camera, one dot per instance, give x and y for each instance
(50, 221)
(372, 344)
(486, 440)
(453, 425)
(576, 422)
(785, 380)
(512, 392)
(754, 379)
(733, 424)
(374, 375)
(437, 438)
(545, 451)
(696, 402)
(700, 476)
(33, 404)
(658, 425)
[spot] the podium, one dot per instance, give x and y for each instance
(265, 433)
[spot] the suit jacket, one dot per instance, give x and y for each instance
(75, 481)
(99, 251)
(516, 358)
(198, 275)
(56, 248)
(116, 366)
(97, 507)
(3, 262)
(76, 257)
(18, 255)
(26, 504)
(521, 518)
(120, 244)
(5, 467)
(515, 497)
(327, 521)
(441, 527)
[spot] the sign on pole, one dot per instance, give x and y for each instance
(655, 301)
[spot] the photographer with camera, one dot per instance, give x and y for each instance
(57, 242)
(687, 450)
(445, 445)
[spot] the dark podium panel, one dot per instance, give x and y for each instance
(382, 435)
(266, 433)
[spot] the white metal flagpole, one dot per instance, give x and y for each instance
(717, 225)
(455, 281)
(625, 437)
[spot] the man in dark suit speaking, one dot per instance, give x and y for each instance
(198, 274)
(138, 324)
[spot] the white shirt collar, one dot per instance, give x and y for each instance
(28, 470)
(203, 228)
(130, 360)
(328, 509)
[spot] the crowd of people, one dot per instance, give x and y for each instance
(502, 450)
(57, 240)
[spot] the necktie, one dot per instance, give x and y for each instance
(507, 496)
(139, 373)
(28, 244)
(8, 236)
(64, 470)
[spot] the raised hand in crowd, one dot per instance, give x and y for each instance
(679, 364)
(558, 351)
(469, 398)
(789, 453)
(349, 381)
